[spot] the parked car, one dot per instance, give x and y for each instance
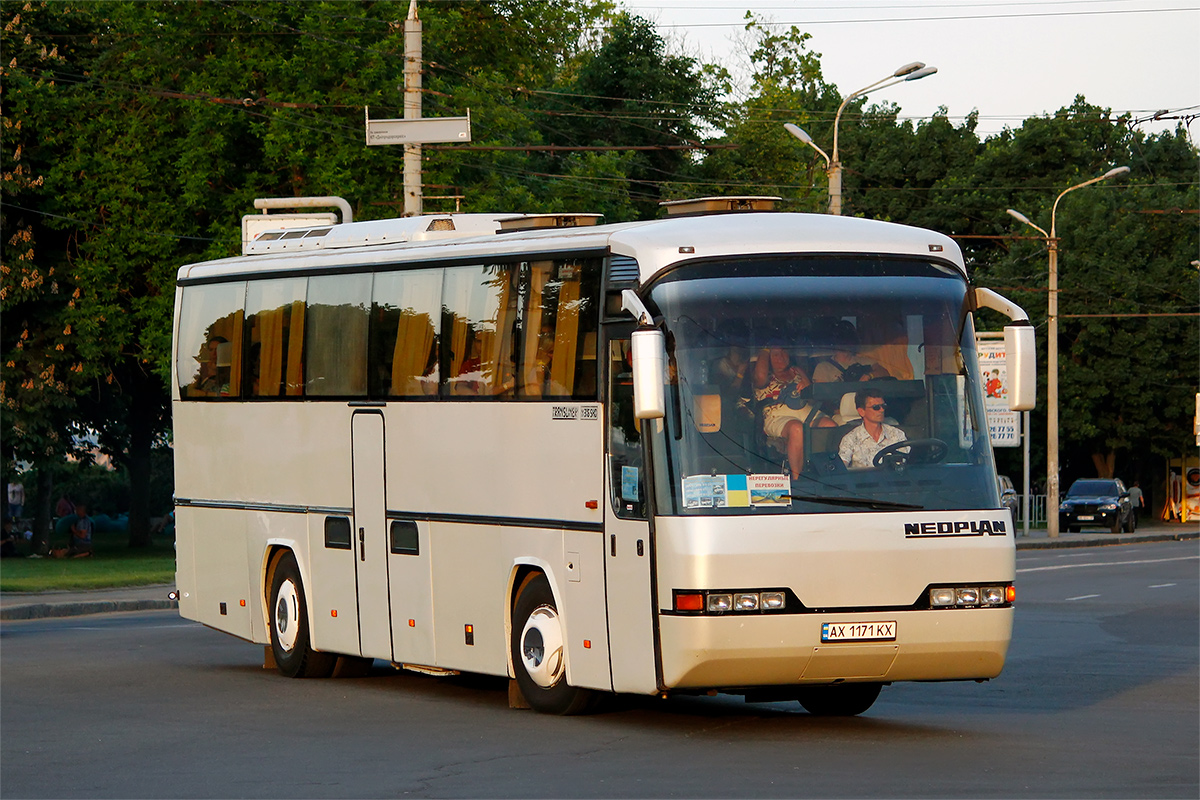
(1097, 502)
(1008, 495)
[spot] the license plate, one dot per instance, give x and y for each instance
(858, 631)
(1086, 517)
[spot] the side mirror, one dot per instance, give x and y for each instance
(1021, 348)
(649, 366)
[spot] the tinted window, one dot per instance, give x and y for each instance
(336, 363)
(275, 338)
(209, 362)
(405, 322)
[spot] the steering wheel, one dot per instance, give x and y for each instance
(910, 451)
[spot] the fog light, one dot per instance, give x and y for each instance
(772, 601)
(941, 597)
(720, 602)
(745, 602)
(993, 595)
(967, 596)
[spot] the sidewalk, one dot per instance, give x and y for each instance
(1148, 531)
(39, 605)
(23, 605)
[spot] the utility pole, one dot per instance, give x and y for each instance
(413, 205)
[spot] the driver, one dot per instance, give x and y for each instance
(859, 446)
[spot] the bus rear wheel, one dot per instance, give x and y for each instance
(539, 655)
(839, 700)
(294, 657)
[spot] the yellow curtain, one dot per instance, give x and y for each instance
(892, 350)
(533, 364)
(295, 355)
(566, 338)
(269, 327)
(414, 342)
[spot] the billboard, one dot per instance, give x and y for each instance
(1004, 425)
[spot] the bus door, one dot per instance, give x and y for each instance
(370, 535)
(628, 560)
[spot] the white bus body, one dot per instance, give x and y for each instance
(395, 444)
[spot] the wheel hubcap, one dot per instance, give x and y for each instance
(287, 616)
(542, 647)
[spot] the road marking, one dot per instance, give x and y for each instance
(1161, 585)
(1082, 597)
(1110, 563)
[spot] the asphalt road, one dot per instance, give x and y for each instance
(1100, 698)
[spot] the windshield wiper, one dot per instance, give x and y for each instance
(856, 501)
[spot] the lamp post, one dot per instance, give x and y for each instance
(1052, 350)
(909, 72)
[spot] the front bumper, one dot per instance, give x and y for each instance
(1093, 519)
(778, 650)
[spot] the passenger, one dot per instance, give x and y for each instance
(777, 387)
(846, 363)
(859, 446)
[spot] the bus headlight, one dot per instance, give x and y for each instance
(772, 601)
(971, 596)
(725, 601)
(943, 596)
(746, 602)
(720, 602)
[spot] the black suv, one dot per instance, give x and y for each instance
(1097, 502)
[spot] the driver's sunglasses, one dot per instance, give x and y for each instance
(878, 407)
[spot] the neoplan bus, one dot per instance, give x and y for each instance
(524, 446)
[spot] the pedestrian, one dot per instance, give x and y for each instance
(1138, 501)
(81, 533)
(16, 500)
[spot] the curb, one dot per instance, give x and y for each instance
(79, 609)
(1054, 544)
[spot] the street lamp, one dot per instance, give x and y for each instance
(1052, 351)
(909, 72)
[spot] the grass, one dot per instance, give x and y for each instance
(114, 564)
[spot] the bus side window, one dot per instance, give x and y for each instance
(209, 355)
(275, 338)
(405, 327)
(336, 346)
(560, 330)
(624, 435)
(479, 308)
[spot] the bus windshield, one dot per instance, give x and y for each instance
(793, 380)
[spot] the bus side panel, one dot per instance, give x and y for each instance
(583, 611)
(471, 572)
(332, 599)
(219, 595)
(498, 460)
(288, 453)
(411, 597)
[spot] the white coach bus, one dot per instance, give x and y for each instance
(537, 447)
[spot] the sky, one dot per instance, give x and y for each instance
(1007, 60)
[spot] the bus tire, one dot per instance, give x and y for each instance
(294, 656)
(539, 655)
(839, 700)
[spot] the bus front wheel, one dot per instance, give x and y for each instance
(289, 626)
(539, 654)
(839, 700)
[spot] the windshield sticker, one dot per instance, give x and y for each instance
(630, 485)
(704, 491)
(770, 490)
(736, 491)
